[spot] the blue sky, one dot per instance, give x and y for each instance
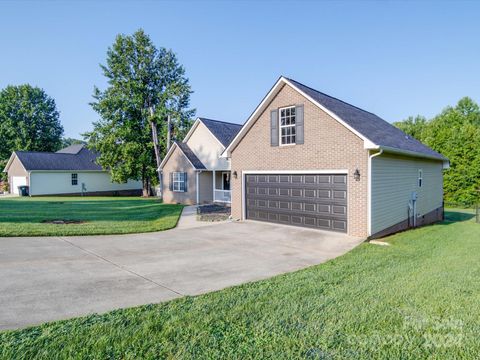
(392, 58)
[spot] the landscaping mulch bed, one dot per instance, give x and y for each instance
(213, 212)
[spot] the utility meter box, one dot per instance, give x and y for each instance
(414, 196)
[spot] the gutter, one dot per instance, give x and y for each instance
(446, 162)
(369, 197)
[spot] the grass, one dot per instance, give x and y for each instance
(416, 299)
(24, 216)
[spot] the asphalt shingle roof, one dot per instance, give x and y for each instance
(190, 155)
(65, 159)
(374, 128)
(223, 131)
(72, 149)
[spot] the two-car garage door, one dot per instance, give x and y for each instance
(309, 200)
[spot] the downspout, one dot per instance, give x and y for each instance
(369, 200)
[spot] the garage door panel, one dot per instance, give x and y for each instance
(278, 210)
(311, 200)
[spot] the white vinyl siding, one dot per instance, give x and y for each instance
(208, 149)
(53, 182)
(394, 178)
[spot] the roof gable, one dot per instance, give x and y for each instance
(223, 131)
(189, 154)
(374, 131)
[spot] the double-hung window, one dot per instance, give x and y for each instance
(74, 179)
(179, 181)
(287, 125)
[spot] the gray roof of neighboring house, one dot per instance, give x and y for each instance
(223, 131)
(72, 149)
(72, 158)
(190, 155)
(374, 128)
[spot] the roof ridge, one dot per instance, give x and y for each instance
(332, 97)
(42, 152)
(220, 121)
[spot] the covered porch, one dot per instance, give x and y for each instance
(213, 186)
(221, 186)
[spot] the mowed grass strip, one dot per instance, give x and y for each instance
(416, 299)
(25, 216)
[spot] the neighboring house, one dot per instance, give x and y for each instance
(70, 171)
(193, 170)
(307, 159)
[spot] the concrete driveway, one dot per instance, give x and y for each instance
(51, 278)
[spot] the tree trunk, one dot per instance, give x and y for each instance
(146, 187)
(156, 148)
(169, 130)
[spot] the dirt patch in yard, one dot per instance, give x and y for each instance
(213, 213)
(63, 222)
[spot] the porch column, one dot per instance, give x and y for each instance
(214, 185)
(197, 182)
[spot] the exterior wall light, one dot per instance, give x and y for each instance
(235, 175)
(356, 175)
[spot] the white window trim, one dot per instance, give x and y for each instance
(420, 178)
(76, 179)
(179, 182)
(285, 126)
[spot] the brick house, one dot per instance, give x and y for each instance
(307, 159)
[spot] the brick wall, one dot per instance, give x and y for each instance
(328, 145)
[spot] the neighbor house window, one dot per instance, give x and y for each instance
(74, 179)
(420, 178)
(287, 125)
(179, 180)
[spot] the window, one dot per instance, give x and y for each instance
(420, 178)
(287, 126)
(178, 181)
(74, 179)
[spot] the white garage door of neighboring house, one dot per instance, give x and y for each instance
(16, 182)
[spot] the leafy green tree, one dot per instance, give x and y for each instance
(145, 85)
(413, 126)
(455, 133)
(29, 120)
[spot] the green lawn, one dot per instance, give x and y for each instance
(100, 215)
(416, 299)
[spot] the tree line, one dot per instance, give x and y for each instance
(455, 133)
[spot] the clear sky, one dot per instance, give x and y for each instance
(392, 58)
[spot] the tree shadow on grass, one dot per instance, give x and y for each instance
(458, 215)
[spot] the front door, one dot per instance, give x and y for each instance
(226, 181)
